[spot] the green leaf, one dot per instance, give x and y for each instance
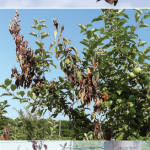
(141, 59)
(96, 35)
(33, 26)
(22, 93)
(39, 113)
(43, 35)
(13, 87)
(33, 33)
(119, 100)
(41, 21)
(119, 91)
(44, 25)
(147, 15)
(137, 17)
(62, 29)
(89, 34)
(132, 138)
(141, 44)
(120, 137)
(6, 94)
(125, 15)
(89, 25)
(147, 50)
(79, 74)
(58, 91)
(132, 28)
(5, 102)
(144, 25)
(33, 110)
(33, 96)
(39, 27)
(35, 21)
(55, 49)
(120, 11)
(148, 96)
(37, 51)
(3, 86)
(101, 30)
(67, 61)
(132, 130)
(16, 98)
(40, 44)
(138, 10)
(83, 27)
(52, 44)
(108, 103)
(84, 43)
(7, 82)
(97, 19)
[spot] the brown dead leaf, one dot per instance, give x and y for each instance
(95, 65)
(84, 82)
(105, 96)
(112, 1)
(82, 96)
(97, 77)
(99, 101)
(21, 59)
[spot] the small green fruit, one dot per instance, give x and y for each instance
(132, 111)
(131, 97)
(143, 74)
(147, 80)
(132, 75)
(126, 113)
(136, 70)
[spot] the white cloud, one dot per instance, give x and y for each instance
(73, 4)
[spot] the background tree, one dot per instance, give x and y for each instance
(3, 119)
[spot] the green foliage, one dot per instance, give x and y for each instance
(3, 119)
(125, 103)
(124, 75)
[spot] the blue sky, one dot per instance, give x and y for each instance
(73, 4)
(70, 18)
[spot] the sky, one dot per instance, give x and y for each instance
(25, 145)
(83, 4)
(70, 18)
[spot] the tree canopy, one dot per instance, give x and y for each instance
(115, 76)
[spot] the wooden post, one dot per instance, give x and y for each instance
(122, 145)
(59, 129)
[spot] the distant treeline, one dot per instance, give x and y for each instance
(38, 129)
